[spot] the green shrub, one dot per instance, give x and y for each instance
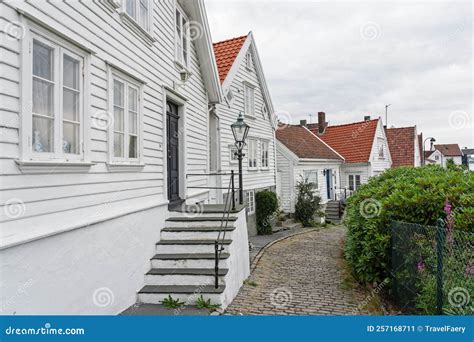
(266, 206)
(307, 203)
(415, 195)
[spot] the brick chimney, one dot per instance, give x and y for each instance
(367, 118)
(303, 123)
(321, 122)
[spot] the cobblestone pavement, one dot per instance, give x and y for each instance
(300, 275)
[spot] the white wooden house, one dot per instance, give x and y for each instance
(302, 155)
(104, 113)
(245, 90)
(439, 154)
(362, 144)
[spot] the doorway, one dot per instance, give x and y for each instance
(172, 134)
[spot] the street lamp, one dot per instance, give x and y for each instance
(240, 130)
(432, 141)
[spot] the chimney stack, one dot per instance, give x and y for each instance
(367, 118)
(303, 123)
(321, 122)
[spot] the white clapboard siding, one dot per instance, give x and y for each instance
(379, 165)
(100, 28)
(261, 129)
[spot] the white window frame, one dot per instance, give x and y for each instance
(60, 47)
(248, 61)
(229, 97)
(134, 23)
(354, 181)
(249, 100)
(250, 201)
(306, 175)
(232, 151)
(252, 153)
(129, 82)
(264, 146)
(178, 54)
(381, 149)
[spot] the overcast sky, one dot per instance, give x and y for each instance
(350, 59)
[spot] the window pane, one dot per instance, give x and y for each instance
(42, 61)
(118, 145)
(132, 99)
(42, 97)
(118, 119)
(118, 93)
(70, 72)
(70, 138)
(132, 149)
(132, 122)
(130, 8)
(70, 105)
(42, 134)
(144, 14)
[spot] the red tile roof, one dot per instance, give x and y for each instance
(353, 141)
(303, 143)
(226, 52)
(449, 150)
(401, 143)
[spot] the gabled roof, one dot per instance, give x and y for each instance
(401, 143)
(353, 141)
(449, 150)
(468, 150)
(304, 144)
(226, 52)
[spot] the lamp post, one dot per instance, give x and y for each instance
(432, 140)
(240, 130)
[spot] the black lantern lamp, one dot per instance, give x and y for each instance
(240, 130)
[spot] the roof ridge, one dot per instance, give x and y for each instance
(353, 123)
(230, 39)
(401, 127)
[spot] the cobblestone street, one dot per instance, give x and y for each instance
(300, 275)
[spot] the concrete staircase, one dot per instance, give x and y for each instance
(183, 265)
(333, 214)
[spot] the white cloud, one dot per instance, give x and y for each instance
(316, 58)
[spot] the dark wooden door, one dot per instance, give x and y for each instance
(329, 183)
(172, 133)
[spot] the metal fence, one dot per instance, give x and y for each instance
(432, 268)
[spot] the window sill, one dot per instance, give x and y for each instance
(120, 167)
(251, 117)
(37, 166)
(264, 169)
(132, 24)
(180, 66)
(252, 169)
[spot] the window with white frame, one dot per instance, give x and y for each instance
(354, 182)
(140, 11)
(380, 143)
(182, 37)
(249, 100)
(252, 153)
(233, 154)
(56, 100)
(125, 132)
(264, 154)
(250, 201)
(311, 176)
(248, 61)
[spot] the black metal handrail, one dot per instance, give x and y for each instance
(229, 206)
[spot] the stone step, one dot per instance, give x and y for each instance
(183, 276)
(211, 221)
(186, 260)
(195, 233)
(190, 246)
(154, 294)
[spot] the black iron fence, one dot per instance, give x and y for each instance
(433, 268)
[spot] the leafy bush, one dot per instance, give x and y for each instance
(307, 203)
(415, 195)
(266, 206)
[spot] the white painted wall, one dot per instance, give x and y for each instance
(286, 162)
(379, 165)
(362, 169)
